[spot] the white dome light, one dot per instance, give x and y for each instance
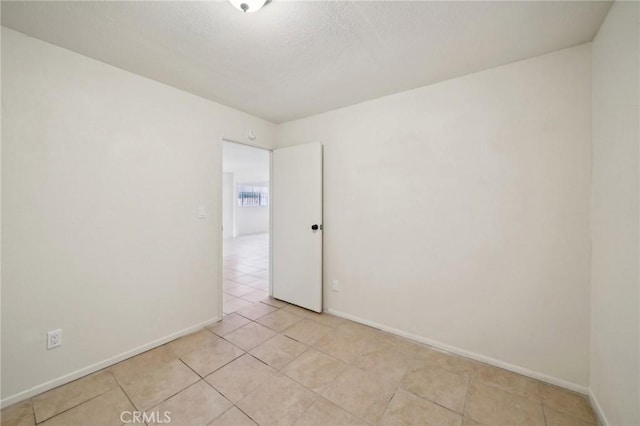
(248, 5)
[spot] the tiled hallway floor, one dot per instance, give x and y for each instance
(246, 271)
(271, 363)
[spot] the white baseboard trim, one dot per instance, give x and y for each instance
(100, 365)
(598, 409)
(475, 356)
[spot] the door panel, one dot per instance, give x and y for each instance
(296, 185)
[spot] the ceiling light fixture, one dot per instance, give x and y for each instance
(248, 5)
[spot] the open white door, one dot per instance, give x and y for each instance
(296, 185)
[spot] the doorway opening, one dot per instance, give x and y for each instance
(245, 226)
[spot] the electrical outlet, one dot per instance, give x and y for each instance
(335, 285)
(54, 339)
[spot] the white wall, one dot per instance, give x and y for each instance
(459, 212)
(103, 172)
(237, 220)
(615, 357)
(252, 220)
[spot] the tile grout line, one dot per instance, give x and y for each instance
(122, 389)
(466, 396)
(70, 408)
(386, 406)
(222, 366)
(544, 415)
(176, 393)
(189, 367)
(433, 402)
(33, 411)
(393, 394)
(245, 413)
(225, 411)
(106, 370)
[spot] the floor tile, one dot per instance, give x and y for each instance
(278, 351)
(239, 290)
(441, 386)
(387, 364)
(400, 344)
(256, 296)
(104, 410)
(255, 311)
(297, 310)
(228, 324)
(260, 285)
(361, 393)
(358, 331)
(226, 298)
(273, 302)
(211, 355)
(230, 274)
(326, 413)
(264, 274)
(198, 404)
(506, 380)
(191, 342)
(19, 414)
(347, 347)
(494, 406)
(145, 362)
(279, 401)
(279, 320)
(247, 278)
(408, 409)
(567, 402)
(314, 370)
(325, 319)
(240, 377)
(62, 398)
(340, 346)
(451, 362)
(250, 336)
(146, 388)
(233, 417)
(556, 418)
(226, 284)
(307, 331)
(235, 305)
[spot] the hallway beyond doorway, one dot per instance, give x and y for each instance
(246, 271)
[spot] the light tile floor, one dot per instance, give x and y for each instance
(271, 363)
(246, 272)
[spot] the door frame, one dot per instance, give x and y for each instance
(220, 201)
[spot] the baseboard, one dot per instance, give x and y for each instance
(598, 409)
(475, 356)
(100, 365)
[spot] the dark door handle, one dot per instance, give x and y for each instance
(316, 227)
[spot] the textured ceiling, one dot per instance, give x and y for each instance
(297, 58)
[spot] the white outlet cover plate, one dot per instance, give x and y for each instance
(54, 339)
